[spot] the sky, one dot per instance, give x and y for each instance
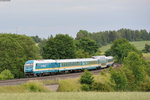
(51, 17)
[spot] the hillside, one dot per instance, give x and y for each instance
(138, 44)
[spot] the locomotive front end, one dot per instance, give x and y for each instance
(28, 68)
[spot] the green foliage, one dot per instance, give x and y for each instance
(130, 77)
(15, 50)
(135, 63)
(6, 74)
(81, 54)
(41, 45)
(87, 45)
(86, 78)
(120, 79)
(104, 37)
(146, 49)
(85, 87)
(108, 52)
(35, 86)
(82, 34)
(36, 39)
(147, 69)
(104, 87)
(145, 86)
(59, 47)
(120, 49)
(138, 44)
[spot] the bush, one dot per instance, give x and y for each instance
(35, 86)
(85, 87)
(145, 86)
(101, 87)
(6, 74)
(130, 77)
(135, 63)
(86, 78)
(120, 79)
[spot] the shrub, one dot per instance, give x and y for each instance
(135, 63)
(86, 78)
(6, 74)
(120, 79)
(130, 77)
(35, 86)
(85, 87)
(144, 86)
(101, 87)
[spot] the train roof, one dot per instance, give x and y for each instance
(64, 60)
(98, 57)
(45, 61)
(110, 57)
(75, 60)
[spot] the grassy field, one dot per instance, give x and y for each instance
(146, 56)
(77, 96)
(138, 44)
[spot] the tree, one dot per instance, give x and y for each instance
(59, 47)
(147, 48)
(135, 63)
(82, 34)
(41, 44)
(104, 37)
(87, 45)
(81, 54)
(120, 79)
(6, 74)
(15, 50)
(120, 49)
(36, 38)
(86, 80)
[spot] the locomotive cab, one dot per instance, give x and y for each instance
(28, 68)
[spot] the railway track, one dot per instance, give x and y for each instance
(52, 77)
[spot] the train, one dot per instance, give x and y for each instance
(33, 68)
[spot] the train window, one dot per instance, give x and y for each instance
(65, 64)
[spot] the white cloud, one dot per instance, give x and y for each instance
(64, 14)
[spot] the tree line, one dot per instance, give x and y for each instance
(105, 37)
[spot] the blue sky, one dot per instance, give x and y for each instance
(46, 17)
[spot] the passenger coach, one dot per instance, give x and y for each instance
(47, 67)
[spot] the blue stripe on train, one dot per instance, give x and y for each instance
(60, 70)
(45, 71)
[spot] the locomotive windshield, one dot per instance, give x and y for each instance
(28, 65)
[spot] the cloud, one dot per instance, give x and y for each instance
(68, 16)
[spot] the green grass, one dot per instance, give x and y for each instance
(69, 85)
(31, 86)
(138, 44)
(146, 56)
(77, 96)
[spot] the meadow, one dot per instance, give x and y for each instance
(77, 96)
(138, 44)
